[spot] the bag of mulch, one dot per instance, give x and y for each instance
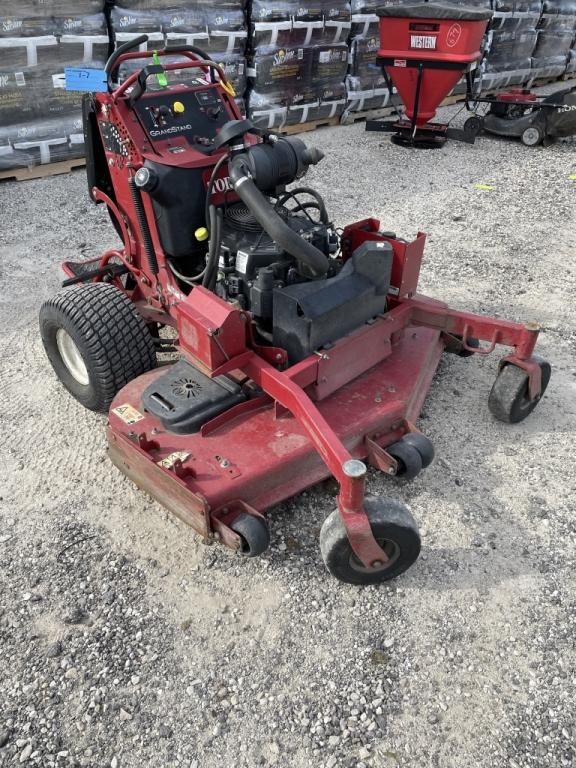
(329, 64)
(35, 94)
(275, 69)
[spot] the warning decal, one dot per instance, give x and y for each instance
(128, 414)
(172, 458)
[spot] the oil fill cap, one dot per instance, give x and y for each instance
(178, 108)
(201, 234)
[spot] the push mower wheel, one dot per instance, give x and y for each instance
(254, 533)
(394, 529)
(423, 445)
(473, 125)
(532, 136)
(509, 399)
(96, 342)
(409, 460)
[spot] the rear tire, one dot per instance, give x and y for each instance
(96, 342)
(394, 529)
(473, 125)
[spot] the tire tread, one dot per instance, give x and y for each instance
(114, 336)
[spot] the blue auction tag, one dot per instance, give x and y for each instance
(82, 79)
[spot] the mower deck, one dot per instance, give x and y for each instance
(263, 456)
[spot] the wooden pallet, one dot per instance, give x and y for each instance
(311, 125)
(454, 98)
(41, 171)
(368, 114)
(544, 81)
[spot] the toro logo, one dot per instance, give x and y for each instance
(454, 34)
(223, 185)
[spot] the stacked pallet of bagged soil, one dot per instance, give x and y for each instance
(218, 28)
(366, 88)
(511, 42)
(555, 43)
(40, 122)
(298, 61)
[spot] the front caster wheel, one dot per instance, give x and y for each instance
(394, 529)
(254, 533)
(423, 445)
(509, 400)
(408, 457)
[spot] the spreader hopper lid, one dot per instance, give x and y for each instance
(431, 11)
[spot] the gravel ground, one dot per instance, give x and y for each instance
(125, 642)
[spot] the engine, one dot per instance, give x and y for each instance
(273, 251)
(252, 265)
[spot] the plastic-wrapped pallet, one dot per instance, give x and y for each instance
(556, 33)
(366, 88)
(510, 43)
(42, 141)
(40, 121)
(214, 29)
(299, 59)
(219, 29)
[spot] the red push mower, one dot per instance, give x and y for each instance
(304, 352)
(522, 114)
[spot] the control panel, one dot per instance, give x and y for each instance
(195, 114)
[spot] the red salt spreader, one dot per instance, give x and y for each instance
(424, 51)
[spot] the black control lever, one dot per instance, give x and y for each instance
(140, 85)
(130, 45)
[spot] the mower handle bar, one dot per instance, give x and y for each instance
(527, 104)
(129, 82)
(125, 52)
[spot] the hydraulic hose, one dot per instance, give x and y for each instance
(144, 228)
(272, 223)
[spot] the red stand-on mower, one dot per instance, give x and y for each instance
(304, 352)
